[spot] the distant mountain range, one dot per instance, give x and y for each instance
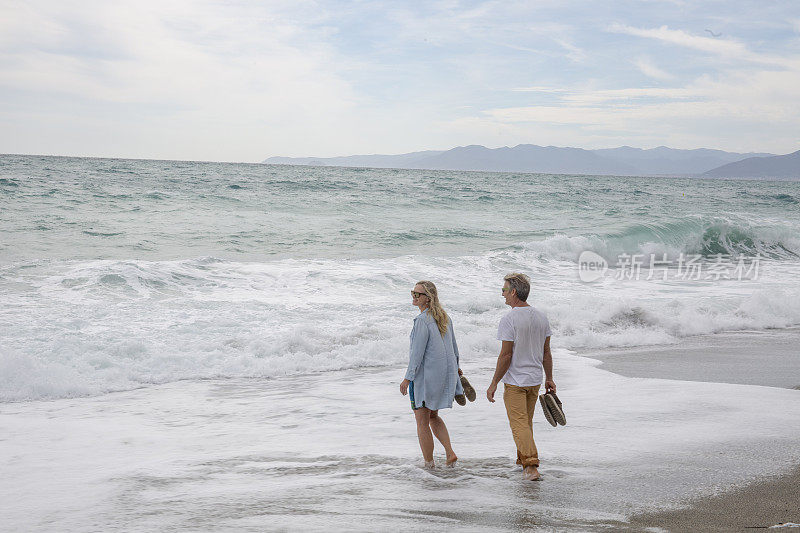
(779, 166)
(623, 161)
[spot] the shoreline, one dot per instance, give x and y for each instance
(760, 504)
(768, 358)
(322, 451)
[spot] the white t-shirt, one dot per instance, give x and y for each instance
(527, 328)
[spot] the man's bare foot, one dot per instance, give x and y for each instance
(531, 473)
(451, 461)
(430, 465)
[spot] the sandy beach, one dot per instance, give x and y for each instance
(770, 358)
(337, 451)
(766, 358)
(761, 504)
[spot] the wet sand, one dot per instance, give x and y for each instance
(770, 358)
(767, 358)
(759, 505)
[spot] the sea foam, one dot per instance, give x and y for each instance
(73, 328)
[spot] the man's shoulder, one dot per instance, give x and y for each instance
(508, 317)
(530, 313)
(538, 312)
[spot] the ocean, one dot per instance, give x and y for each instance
(117, 274)
(190, 346)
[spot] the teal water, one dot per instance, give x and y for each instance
(70, 208)
(116, 274)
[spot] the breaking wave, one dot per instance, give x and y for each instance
(74, 328)
(705, 237)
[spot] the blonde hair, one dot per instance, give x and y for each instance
(435, 307)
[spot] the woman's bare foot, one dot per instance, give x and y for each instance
(451, 460)
(430, 465)
(531, 473)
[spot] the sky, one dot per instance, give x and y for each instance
(243, 81)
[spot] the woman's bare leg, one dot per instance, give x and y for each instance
(440, 430)
(423, 416)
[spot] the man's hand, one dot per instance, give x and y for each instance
(490, 392)
(549, 385)
(404, 387)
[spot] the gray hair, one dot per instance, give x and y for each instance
(520, 283)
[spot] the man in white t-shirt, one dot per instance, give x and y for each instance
(525, 353)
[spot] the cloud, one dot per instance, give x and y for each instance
(575, 54)
(725, 48)
(722, 47)
(721, 107)
(646, 66)
(165, 58)
(631, 95)
(187, 67)
(539, 89)
(237, 80)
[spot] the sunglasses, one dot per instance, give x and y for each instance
(417, 294)
(506, 289)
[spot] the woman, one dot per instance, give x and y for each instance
(432, 376)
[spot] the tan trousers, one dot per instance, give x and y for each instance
(520, 403)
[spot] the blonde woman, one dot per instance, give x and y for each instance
(432, 375)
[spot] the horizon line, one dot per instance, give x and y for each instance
(261, 162)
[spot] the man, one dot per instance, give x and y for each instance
(525, 353)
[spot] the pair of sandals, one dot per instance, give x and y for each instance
(469, 392)
(553, 409)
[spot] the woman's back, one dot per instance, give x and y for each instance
(436, 357)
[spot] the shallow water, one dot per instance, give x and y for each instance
(338, 450)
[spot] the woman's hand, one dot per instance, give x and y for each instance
(404, 387)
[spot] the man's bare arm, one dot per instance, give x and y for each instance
(503, 362)
(547, 363)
